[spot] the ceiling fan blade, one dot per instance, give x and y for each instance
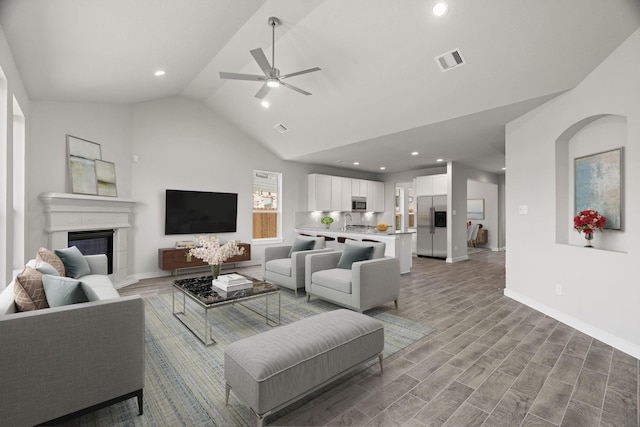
(237, 76)
(261, 59)
(264, 90)
(297, 73)
(297, 89)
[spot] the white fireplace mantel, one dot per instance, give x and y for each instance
(79, 212)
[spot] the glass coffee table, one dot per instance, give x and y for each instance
(199, 291)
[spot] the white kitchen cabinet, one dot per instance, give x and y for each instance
(340, 193)
(424, 186)
(359, 188)
(346, 194)
(375, 196)
(440, 184)
(334, 193)
(319, 192)
(431, 185)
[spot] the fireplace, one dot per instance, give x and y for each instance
(93, 242)
(69, 215)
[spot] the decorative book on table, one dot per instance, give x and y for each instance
(231, 282)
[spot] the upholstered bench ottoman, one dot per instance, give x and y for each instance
(273, 369)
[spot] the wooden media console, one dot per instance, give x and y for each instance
(177, 258)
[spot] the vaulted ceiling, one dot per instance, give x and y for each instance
(380, 95)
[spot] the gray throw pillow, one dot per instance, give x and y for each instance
(46, 268)
(353, 254)
(62, 290)
(75, 264)
(302, 245)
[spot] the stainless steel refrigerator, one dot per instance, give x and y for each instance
(432, 226)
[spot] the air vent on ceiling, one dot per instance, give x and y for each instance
(281, 128)
(450, 60)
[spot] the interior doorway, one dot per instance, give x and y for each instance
(482, 215)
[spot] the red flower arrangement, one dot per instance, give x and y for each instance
(588, 220)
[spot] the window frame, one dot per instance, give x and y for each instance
(278, 238)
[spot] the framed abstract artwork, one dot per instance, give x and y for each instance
(82, 155)
(106, 178)
(598, 185)
(475, 208)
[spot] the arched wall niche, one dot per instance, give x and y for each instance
(593, 134)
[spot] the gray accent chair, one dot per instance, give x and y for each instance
(286, 271)
(366, 285)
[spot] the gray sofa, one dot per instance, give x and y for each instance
(368, 284)
(60, 362)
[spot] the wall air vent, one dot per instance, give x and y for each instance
(450, 60)
(281, 128)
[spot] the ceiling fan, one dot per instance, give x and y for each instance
(272, 77)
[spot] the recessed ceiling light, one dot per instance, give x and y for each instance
(439, 160)
(415, 153)
(265, 103)
(356, 163)
(504, 169)
(159, 73)
(382, 168)
(440, 8)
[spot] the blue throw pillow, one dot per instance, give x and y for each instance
(353, 254)
(75, 264)
(302, 245)
(46, 268)
(62, 290)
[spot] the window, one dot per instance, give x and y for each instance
(267, 205)
(5, 274)
(19, 164)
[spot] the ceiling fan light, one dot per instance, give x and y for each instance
(440, 8)
(273, 82)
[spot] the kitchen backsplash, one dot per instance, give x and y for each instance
(306, 219)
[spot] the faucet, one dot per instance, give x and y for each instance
(346, 217)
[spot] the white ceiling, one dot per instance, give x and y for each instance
(380, 94)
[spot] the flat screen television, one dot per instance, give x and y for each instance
(193, 212)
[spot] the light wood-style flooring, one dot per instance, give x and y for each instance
(491, 361)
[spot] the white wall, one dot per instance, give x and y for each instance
(599, 287)
(181, 144)
(107, 125)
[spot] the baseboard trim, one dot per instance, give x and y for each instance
(457, 259)
(604, 336)
(128, 281)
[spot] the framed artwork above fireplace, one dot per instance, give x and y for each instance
(82, 167)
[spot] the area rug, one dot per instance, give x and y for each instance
(184, 384)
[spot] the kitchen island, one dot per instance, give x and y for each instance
(396, 244)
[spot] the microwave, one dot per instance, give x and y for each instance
(359, 204)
